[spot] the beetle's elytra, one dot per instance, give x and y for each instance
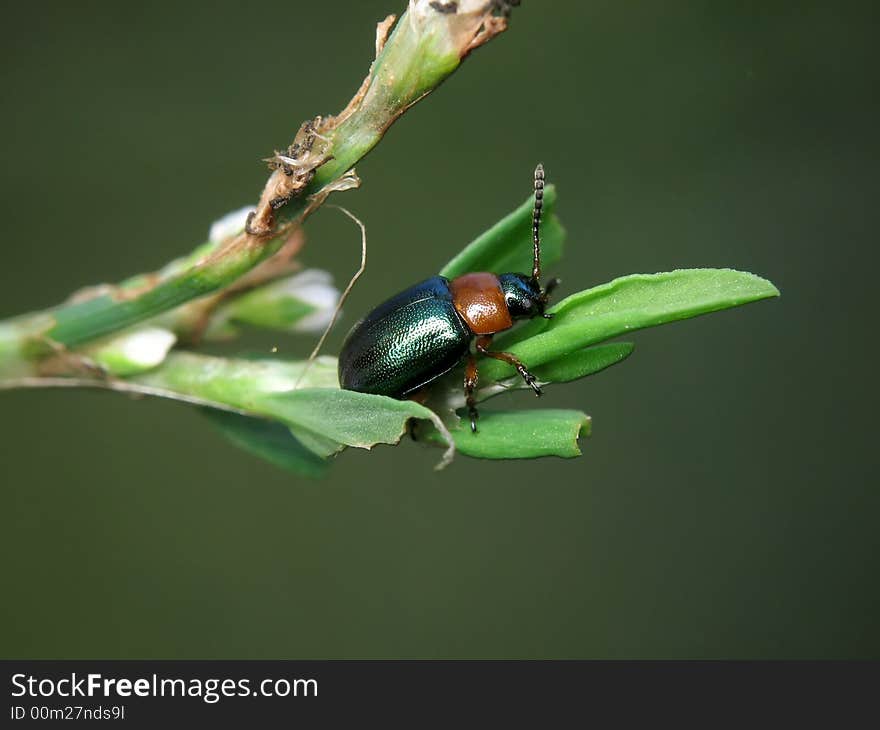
(426, 330)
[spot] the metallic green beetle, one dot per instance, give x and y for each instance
(423, 332)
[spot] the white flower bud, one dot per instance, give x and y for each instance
(230, 224)
(134, 351)
(314, 287)
(303, 302)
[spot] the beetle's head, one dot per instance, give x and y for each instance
(524, 296)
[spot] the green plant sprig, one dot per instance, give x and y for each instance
(127, 338)
(298, 418)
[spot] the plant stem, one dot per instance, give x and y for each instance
(427, 45)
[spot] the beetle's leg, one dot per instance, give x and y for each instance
(470, 382)
(530, 380)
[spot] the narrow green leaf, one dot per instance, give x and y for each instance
(577, 365)
(582, 363)
(507, 246)
(267, 440)
(522, 434)
(321, 446)
(624, 305)
(237, 382)
(343, 416)
(320, 415)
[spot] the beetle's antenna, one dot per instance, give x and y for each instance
(345, 293)
(536, 220)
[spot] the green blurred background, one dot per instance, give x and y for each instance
(727, 503)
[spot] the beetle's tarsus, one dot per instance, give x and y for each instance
(531, 381)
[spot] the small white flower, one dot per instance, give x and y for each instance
(147, 347)
(303, 302)
(230, 224)
(315, 288)
(134, 352)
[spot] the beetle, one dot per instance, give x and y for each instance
(425, 331)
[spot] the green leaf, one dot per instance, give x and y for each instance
(321, 446)
(238, 382)
(582, 363)
(507, 246)
(323, 418)
(624, 305)
(522, 434)
(324, 415)
(577, 365)
(267, 440)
